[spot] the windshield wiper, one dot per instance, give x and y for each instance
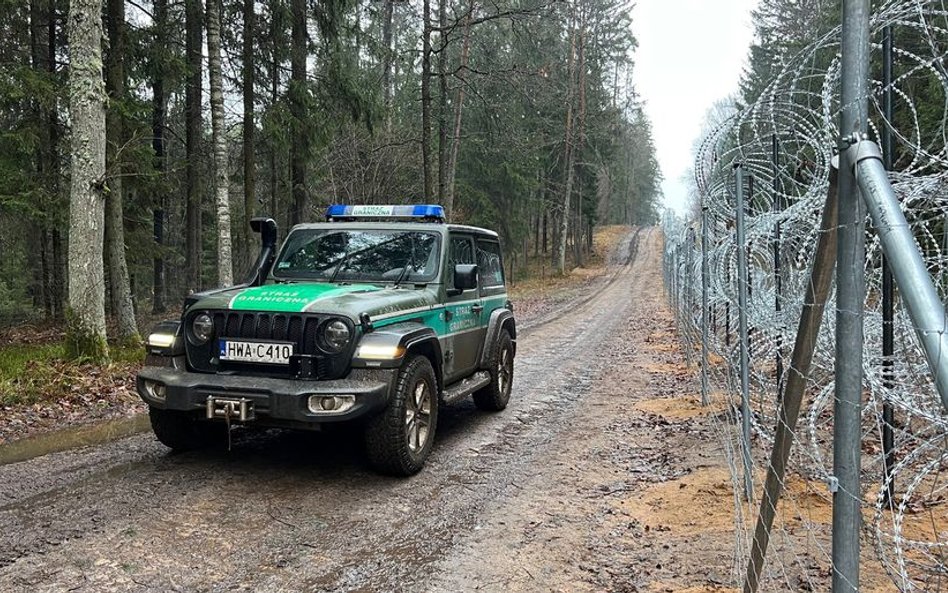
(408, 266)
(340, 265)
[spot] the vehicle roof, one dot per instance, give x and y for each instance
(397, 225)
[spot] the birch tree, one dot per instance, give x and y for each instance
(568, 149)
(85, 334)
(225, 265)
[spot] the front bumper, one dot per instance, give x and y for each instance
(278, 401)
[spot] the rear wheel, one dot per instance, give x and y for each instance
(399, 440)
(181, 431)
(496, 394)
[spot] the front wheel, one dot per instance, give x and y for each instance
(496, 394)
(399, 439)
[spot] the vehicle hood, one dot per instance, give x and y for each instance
(350, 300)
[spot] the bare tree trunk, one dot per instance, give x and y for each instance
(159, 106)
(299, 147)
(123, 307)
(458, 107)
(249, 127)
(225, 261)
(58, 281)
(193, 133)
(49, 275)
(38, 240)
(546, 224)
(426, 99)
(275, 34)
(568, 157)
(442, 97)
(581, 133)
(85, 332)
(387, 60)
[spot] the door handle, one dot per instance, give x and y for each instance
(477, 309)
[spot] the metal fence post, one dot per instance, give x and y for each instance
(727, 311)
(689, 293)
(778, 281)
(922, 301)
(677, 284)
(748, 204)
(742, 271)
(808, 331)
(850, 300)
(888, 317)
(705, 280)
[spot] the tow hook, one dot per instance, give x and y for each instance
(229, 409)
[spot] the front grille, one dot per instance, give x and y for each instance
(298, 328)
(277, 327)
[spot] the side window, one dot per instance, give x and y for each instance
(489, 264)
(461, 252)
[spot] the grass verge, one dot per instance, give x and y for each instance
(36, 373)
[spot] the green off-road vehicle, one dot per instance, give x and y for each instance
(377, 317)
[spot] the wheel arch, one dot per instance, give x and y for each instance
(413, 338)
(500, 319)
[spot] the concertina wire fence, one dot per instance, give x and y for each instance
(905, 542)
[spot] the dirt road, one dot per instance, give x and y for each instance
(536, 498)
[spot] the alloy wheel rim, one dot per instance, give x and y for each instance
(504, 370)
(418, 417)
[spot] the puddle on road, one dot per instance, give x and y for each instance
(71, 438)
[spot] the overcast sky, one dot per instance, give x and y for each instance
(691, 53)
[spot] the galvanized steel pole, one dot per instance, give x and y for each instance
(808, 332)
(689, 293)
(742, 271)
(850, 300)
(705, 281)
(778, 288)
(919, 293)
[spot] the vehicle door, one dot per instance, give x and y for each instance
(462, 313)
(490, 267)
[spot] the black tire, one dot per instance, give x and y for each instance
(494, 397)
(179, 431)
(399, 439)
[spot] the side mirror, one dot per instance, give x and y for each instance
(465, 277)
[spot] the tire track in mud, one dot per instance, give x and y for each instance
(632, 251)
(295, 511)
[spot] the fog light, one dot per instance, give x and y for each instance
(335, 404)
(156, 390)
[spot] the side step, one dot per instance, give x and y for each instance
(465, 387)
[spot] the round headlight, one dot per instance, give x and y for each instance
(202, 328)
(336, 336)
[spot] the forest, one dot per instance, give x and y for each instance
(139, 137)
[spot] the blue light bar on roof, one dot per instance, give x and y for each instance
(421, 212)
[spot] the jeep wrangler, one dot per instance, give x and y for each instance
(376, 317)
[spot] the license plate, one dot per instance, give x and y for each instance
(259, 352)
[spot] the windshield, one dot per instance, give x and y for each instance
(359, 256)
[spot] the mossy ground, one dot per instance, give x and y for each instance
(42, 372)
